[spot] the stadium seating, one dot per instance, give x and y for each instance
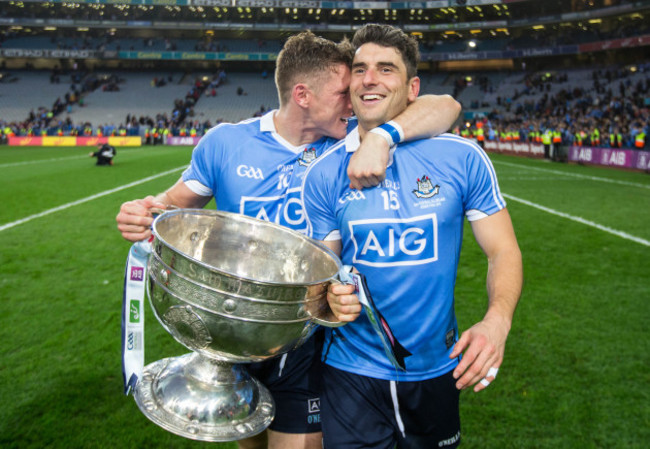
(136, 97)
(27, 91)
(229, 106)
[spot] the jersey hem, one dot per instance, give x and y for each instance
(398, 376)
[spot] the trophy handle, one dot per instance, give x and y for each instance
(325, 315)
(160, 211)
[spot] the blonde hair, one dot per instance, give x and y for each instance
(305, 58)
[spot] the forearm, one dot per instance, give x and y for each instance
(504, 285)
(428, 116)
(179, 195)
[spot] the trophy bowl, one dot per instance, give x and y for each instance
(234, 290)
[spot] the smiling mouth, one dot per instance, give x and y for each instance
(371, 97)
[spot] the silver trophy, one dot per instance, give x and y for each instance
(234, 290)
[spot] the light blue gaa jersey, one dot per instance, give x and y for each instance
(252, 170)
(405, 236)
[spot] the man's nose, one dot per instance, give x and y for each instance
(370, 77)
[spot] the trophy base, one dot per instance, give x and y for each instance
(204, 399)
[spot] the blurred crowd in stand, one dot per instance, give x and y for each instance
(181, 122)
(611, 111)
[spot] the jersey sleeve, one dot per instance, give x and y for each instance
(202, 175)
(483, 194)
(319, 200)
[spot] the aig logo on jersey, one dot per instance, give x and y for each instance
(393, 242)
(249, 172)
(285, 210)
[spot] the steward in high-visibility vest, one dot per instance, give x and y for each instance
(480, 136)
(100, 133)
(546, 140)
(59, 132)
(464, 133)
(616, 140)
(595, 137)
(557, 137)
(577, 139)
(639, 140)
(183, 132)
(193, 132)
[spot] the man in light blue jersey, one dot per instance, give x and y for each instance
(255, 167)
(392, 377)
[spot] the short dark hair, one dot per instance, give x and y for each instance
(306, 55)
(389, 36)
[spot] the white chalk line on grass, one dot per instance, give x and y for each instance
(88, 198)
(615, 232)
(581, 220)
(574, 175)
(15, 164)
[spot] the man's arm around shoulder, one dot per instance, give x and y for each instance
(427, 116)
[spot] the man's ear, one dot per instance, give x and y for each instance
(301, 95)
(414, 88)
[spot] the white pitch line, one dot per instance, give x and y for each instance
(14, 164)
(581, 220)
(575, 175)
(88, 198)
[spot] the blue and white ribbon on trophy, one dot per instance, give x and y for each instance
(135, 278)
(394, 350)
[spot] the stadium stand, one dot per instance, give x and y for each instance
(23, 91)
(230, 105)
(135, 95)
(523, 66)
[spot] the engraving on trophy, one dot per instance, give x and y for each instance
(187, 326)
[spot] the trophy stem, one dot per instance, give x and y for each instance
(204, 399)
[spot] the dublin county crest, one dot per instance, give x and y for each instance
(425, 188)
(307, 156)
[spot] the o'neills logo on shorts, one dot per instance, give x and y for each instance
(313, 405)
(449, 441)
(313, 408)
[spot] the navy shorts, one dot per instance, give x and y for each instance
(296, 383)
(363, 412)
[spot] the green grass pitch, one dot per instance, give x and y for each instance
(577, 367)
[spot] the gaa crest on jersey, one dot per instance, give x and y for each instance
(425, 188)
(307, 156)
